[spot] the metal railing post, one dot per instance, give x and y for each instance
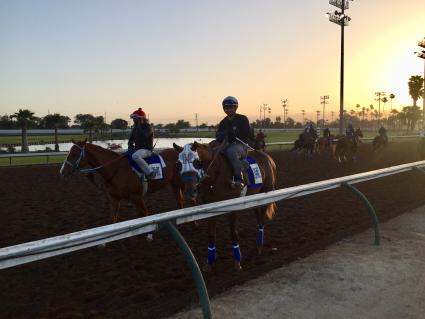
(194, 268)
(369, 207)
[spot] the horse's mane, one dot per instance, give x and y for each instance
(103, 150)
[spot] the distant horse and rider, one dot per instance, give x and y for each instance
(325, 142)
(346, 146)
(306, 141)
(380, 141)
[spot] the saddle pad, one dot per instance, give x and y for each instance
(255, 180)
(155, 162)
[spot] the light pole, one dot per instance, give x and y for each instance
(422, 56)
(303, 113)
(379, 95)
(264, 107)
(284, 105)
(323, 100)
(340, 18)
(317, 120)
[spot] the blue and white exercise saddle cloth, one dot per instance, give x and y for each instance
(155, 162)
(255, 180)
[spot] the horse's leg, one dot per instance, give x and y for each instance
(259, 214)
(179, 196)
(237, 256)
(212, 224)
(140, 205)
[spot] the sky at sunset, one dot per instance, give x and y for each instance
(175, 58)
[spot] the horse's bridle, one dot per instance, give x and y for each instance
(75, 165)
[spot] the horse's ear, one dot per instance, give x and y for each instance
(85, 141)
(177, 147)
(194, 146)
(73, 141)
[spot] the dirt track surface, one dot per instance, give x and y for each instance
(134, 278)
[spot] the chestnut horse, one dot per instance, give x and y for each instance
(215, 185)
(324, 143)
(346, 147)
(120, 181)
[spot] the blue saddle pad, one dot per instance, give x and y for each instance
(154, 161)
(255, 180)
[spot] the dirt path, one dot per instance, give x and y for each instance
(350, 279)
(134, 278)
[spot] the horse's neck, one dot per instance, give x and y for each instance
(98, 156)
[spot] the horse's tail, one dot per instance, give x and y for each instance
(270, 210)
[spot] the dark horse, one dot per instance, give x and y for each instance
(215, 185)
(346, 147)
(120, 181)
(379, 142)
(306, 142)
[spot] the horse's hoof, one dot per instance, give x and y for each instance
(260, 251)
(237, 266)
(149, 237)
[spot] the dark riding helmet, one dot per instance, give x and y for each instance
(230, 101)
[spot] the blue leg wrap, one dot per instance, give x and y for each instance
(237, 252)
(211, 254)
(260, 235)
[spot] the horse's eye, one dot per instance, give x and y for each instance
(197, 164)
(179, 166)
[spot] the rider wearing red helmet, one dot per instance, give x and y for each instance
(141, 140)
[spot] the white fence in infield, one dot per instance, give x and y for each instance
(48, 154)
(45, 248)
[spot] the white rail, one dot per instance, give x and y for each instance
(35, 154)
(45, 248)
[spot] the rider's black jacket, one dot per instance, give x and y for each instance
(141, 136)
(238, 127)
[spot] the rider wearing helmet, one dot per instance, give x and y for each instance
(236, 132)
(309, 130)
(327, 135)
(383, 133)
(349, 132)
(141, 140)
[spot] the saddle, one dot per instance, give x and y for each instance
(155, 162)
(251, 174)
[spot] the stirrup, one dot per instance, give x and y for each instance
(237, 184)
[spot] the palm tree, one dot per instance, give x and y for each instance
(55, 121)
(87, 122)
(384, 100)
(358, 108)
(394, 117)
(392, 96)
(22, 118)
(415, 87)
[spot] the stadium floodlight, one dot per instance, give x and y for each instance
(339, 3)
(340, 18)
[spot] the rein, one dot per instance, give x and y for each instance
(76, 167)
(214, 158)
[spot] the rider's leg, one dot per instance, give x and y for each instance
(235, 153)
(138, 156)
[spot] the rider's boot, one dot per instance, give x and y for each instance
(237, 182)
